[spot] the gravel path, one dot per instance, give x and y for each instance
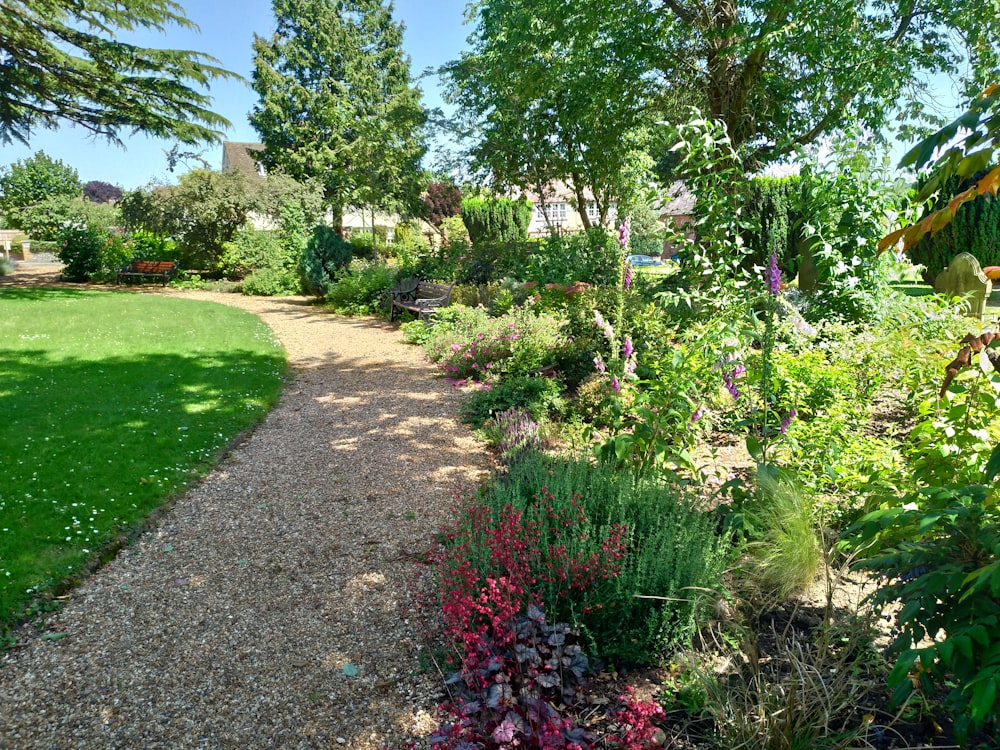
(272, 605)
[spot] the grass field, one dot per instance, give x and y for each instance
(110, 404)
(920, 289)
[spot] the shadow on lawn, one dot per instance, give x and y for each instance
(95, 446)
(45, 294)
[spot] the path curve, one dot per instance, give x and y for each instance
(240, 620)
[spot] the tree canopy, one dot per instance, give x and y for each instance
(558, 94)
(336, 102)
(777, 73)
(61, 61)
(31, 181)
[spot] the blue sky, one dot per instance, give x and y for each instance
(434, 35)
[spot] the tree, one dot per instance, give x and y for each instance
(336, 102)
(30, 181)
(61, 61)
(441, 200)
(102, 192)
(202, 212)
(557, 93)
(778, 74)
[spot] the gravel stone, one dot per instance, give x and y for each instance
(272, 606)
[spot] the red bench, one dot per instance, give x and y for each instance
(140, 270)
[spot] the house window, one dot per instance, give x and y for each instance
(555, 213)
(592, 213)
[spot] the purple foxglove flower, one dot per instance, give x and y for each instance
(787, 421)
(774, 275)
(697, 414)
(739, 371)
(627, 349)
(627, 281)
(599, 364)
(616, 385)
(630, 366)
(730, 385)
(624, 232)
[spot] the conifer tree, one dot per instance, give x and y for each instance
(337, 104)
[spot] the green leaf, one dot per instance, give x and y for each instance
(993, 465)
(984, 697)
(350, 670)
(53, 636)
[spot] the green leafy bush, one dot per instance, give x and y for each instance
(939, 554)
(474, 345)
(48, 219)
(593, 256)
(81, 252)
(540, 397)
(360, 289)
(250, 250)
(326, 254)
(496, 220)
(153, 246)
(271, 281)
(773, 209)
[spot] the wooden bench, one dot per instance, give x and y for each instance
(419, 297)
(139, 270)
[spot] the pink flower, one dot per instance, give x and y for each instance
(628, 348)
(616, 385)
(624, 232)
(599, 364)
(774, 275)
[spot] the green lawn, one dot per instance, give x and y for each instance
(111, 403)
(920, 289)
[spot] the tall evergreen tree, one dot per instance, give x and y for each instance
(337, 103)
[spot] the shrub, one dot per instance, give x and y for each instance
(325, 255)
(593, 257)
(360, 289)
(250, 250)
(495, 220)
(271, 282)
(47, 220)
(585, 540)
(153, 246)
(938, 556)
(483, 348)
(773, 209)
(974, 229)
(81, 252)
(540, 397)
(6, 267)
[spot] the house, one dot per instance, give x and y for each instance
(242, 157)
(555, 210)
